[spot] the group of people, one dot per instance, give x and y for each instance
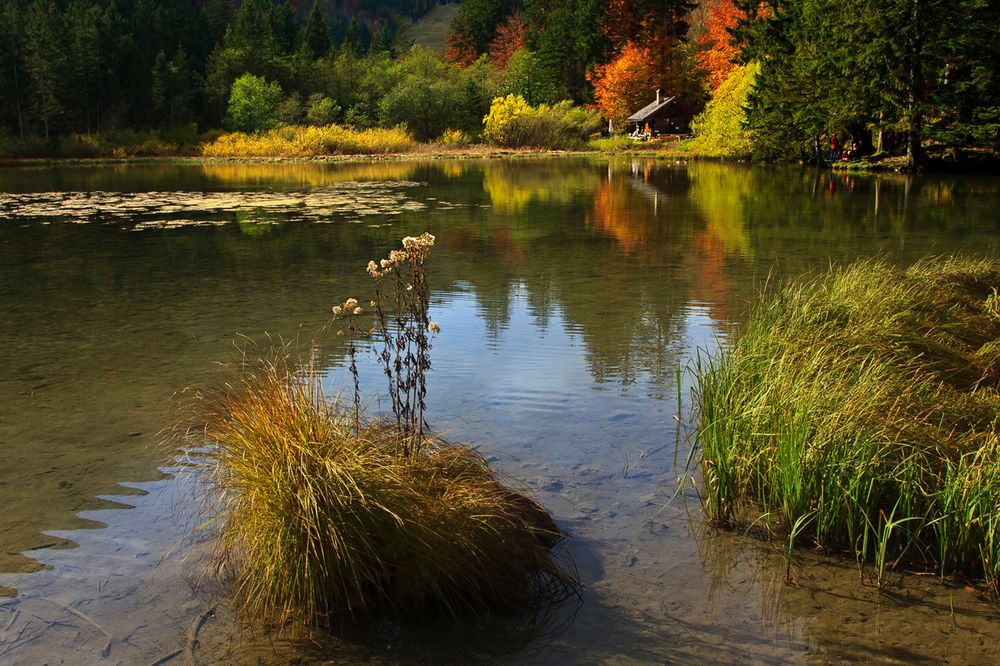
(840, 153)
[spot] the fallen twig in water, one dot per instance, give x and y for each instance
(106, 650)
(17, 639)
(167, 657)
(192, 638)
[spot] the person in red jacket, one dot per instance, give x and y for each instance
(834, 147)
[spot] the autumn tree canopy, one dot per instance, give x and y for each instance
(717, 52)
(624, 84)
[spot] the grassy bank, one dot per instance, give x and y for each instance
(300, 142)
(120, 144)
(858, 411)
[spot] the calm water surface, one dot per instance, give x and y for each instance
(569, 292)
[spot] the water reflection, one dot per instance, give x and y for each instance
(570, 291)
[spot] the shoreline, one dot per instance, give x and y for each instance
(892, 165)
(459, 154)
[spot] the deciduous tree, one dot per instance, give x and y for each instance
(625, 84)
(717, 52)
(253, 104)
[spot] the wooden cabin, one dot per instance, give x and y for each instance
(664, 115)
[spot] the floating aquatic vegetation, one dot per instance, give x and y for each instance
(165, 210)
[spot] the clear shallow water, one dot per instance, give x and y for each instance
(569, 293)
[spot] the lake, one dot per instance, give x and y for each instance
(572, 295)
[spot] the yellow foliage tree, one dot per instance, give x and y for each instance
(719, 130)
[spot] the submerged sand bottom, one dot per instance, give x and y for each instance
(661, 586)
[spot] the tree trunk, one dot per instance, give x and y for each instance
(915, 90)
(17, 101)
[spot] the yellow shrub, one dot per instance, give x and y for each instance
(453, 138)
(503, 111)
(308, 141)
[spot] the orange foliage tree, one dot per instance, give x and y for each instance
(510, 37)
(716, 49)
(625, 84)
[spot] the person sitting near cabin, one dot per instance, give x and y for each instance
(855, 151)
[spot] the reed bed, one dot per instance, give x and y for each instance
(309, 141)
(858, 410)
(326, 515)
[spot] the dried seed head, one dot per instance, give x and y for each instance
(357, 310)
(434, 327)
(337, 309)
(351, 303)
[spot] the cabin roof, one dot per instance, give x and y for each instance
(654, 106)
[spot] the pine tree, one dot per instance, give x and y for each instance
(12, 53)
(84, 50)
(45, 60)
(315, 35)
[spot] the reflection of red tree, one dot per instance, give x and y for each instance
(638, 225)
(461, 239)
(504, 243)
(617, 214)
(711, 282)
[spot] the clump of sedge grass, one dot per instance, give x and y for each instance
(324, 520)
(328, 515)
(861, 409)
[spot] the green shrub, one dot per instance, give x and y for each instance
(429, 96)
(613, 144)
(863, 408)
(321, 110)
(253, 104)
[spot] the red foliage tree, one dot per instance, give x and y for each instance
(510, 37)
(459, 49)
(716, 49)
(652, 23)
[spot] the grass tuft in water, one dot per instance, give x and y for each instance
(323, 520)
(326, 515)
(861, 409)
